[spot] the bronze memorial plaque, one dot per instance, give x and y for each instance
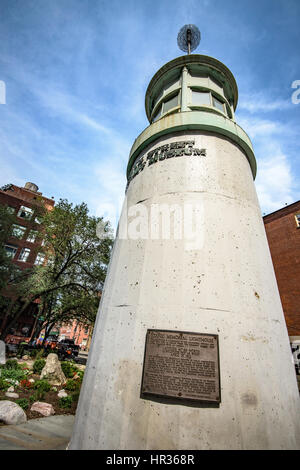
(181, 365)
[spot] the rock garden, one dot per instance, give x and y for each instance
(33, 388)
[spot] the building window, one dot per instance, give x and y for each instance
(171, 103)
(157, 98)
(10, 250)
(200, 98)
(32, 236)
(297, 217)
(25, 212)
(24, 254)
(18, 231)
(11, 209)
(157, 114)
(40, 258)
(218, 104)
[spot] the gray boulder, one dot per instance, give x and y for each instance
(12, 395)
(11, 413)
(52, 371)
(45, 409)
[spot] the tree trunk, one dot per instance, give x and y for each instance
(45, 335)
(48, 329)
(38, 330)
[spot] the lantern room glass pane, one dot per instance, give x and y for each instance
(200, 98)
(218, 104)
(171, 103)
(157, 114)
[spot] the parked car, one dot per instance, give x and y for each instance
(67, 349)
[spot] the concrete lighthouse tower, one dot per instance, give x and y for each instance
(190, 348)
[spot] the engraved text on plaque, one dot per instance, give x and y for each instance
(181, 365)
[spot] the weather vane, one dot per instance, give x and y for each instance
(188, 38)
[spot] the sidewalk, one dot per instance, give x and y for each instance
(51, 433)
(82, 357)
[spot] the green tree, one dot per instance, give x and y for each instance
(11, 277)
(69, 285)
(7, 268)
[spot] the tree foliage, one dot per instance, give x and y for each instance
(9, 273)
(69, 285)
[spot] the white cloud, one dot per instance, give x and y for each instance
(274, 182)
(67, 106)
(257, 127)
(110, 180)
(263, 103)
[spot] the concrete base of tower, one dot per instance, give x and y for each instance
(220, 282)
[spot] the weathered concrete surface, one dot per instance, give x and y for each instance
(225, 285)
(51, 433)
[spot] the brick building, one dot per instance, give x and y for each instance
(283, 234)
(24, 245)
(77, 331)
(80, 333)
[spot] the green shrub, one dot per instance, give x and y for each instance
(23, 403)
(36, 353)
(21, 349)
(68, 369)
(38, 366)
(40, 353)
(33, 353)
(72, 385)
(25, 368)
(75, 396)
(42, 385)
(31, 398)
(13, 374)
(3, 384)
(11, 364)
(80, 374)
(65, 402)
(38, 395)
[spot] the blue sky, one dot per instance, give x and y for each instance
(76, 72)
